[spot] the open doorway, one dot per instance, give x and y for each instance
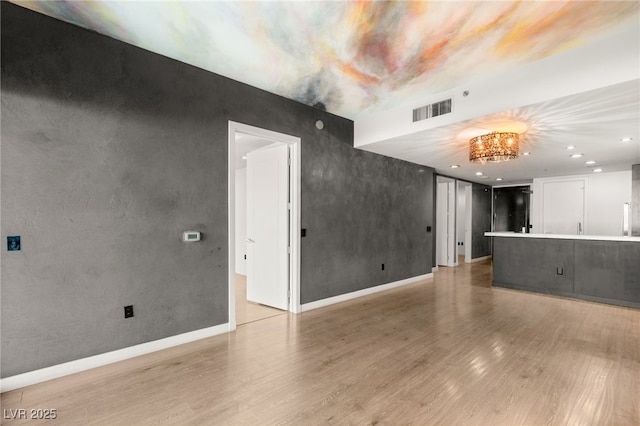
(263, 218)
(511, 208)
(255, 162)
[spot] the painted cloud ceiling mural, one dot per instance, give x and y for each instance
(350, 57)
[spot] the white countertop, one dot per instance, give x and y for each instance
(563, 237)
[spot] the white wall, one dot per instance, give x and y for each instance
(241, 221)
(605, 194)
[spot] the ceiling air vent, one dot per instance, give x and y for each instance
(433, 110)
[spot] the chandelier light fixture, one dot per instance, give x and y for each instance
(494, 147)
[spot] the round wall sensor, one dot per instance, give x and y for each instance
(465, 93)
(319, 124)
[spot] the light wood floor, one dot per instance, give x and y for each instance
(248, 311)
(449, 350)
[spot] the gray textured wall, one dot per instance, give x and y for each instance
(109, 152)
(480, 220)
(356, 210)
(635, 200)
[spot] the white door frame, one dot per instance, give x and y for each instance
(294, 233)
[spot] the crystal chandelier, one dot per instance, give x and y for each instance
(494, 147)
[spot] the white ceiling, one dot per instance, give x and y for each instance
(368, 60)
(593, 122)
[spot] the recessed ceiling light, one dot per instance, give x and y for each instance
(627, 139)
(597, 170)
(455, 166)
(590, 162)
(526, 153)
(479, 173)
(576, 155)
(498, 178)
(571, 147)
(244, 157)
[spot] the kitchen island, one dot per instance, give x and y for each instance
(597, 268)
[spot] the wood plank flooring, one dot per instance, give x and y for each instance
(248, 311)
(449, 350)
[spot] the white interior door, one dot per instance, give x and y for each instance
(452, 254)
(445, 224)
(268, 226)
(563, 207)
(467, 224)
(441, 224)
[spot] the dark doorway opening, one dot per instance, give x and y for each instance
(511, 209)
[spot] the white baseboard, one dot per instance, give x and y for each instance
(435, 269)
(55, 371)
(364, 292)
(478, 259)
